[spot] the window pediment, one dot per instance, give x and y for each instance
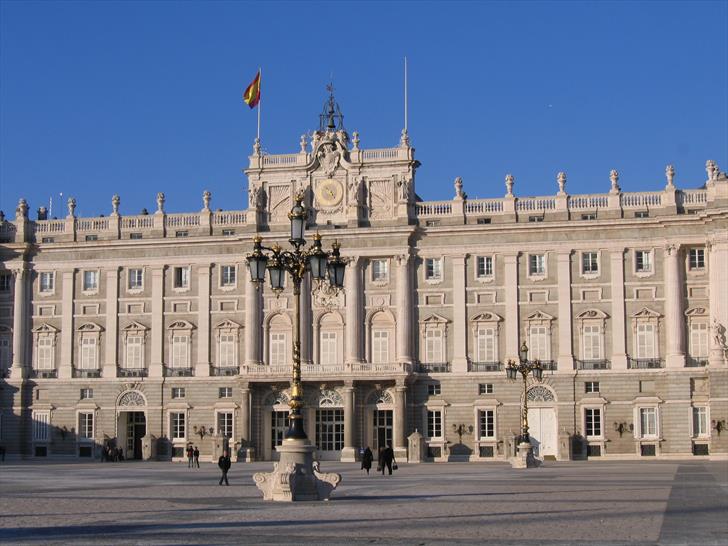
(181, 325)
(696, 312)
(539, 316)
(592, 314)
(45, 328)
(228, 324)
(486, 317)
(646, 313)
(134, 327)
(90, 327)
(435, 320)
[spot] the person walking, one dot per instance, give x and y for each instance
(224, 463)
(366, 460)
(190, 454)
(387, 459)
(196, 454)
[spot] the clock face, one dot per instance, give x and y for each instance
(329, 192)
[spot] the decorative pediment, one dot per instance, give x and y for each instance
(329, 398)
(539, 316)
(45, 328)
(134, 326)
(696, 312)
(646, 313)
(132, 398)
(539, 393)
(181, 325)
(228, 324)
(434, 319)
(592, 314)
(380, 397)
(90, 327)
(486, 317)
(277, 398)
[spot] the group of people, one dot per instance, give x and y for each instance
(385, 460)
(193, 456)
(111, 454)
(224, 462)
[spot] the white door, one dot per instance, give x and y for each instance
(542, 430)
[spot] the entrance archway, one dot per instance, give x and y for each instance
(380, 419)
(131, 424)
(542, 421)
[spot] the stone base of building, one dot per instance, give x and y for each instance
(296, 477)
(348, 455)
(525, 457)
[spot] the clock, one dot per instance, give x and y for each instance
(329, 192)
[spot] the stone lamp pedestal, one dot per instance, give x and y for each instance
(525, 457)
(296, 477)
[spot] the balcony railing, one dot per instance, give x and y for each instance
(308, 370)
(549, 365)
(224, 371)
(86, 374)
(485, 366)
(178, 372)
(44, 374)
(592, 364)
(644, 363)
(696, 361)
(132, 372)
(430, 367)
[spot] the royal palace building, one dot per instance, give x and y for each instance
(145, 332)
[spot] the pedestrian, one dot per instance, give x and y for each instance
(366, 460)
(387, 459)
(190, 456)
(196, 454)
(224, 463)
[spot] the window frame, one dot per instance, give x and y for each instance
(83, 434)
(694, 266)
(86, 288)
(700, 434)
(434, 268)
(227, 412)
(129, 272)
(175, 428)
(181, 284)
(590, 434)
(534, 260)
(49, 275)
(432, 426)
(594, 269)
(381, 277)
(641, 271)
(227, 283)
(488, 263)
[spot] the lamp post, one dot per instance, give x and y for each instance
(303, 481)
(525, 458)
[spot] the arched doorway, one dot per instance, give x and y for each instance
(380, 419)
(542, 421)
(329, 420)
(131, 423)
(275, 423)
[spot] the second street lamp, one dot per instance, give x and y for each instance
(525, 458)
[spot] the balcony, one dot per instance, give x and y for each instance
(132, 372)
(645, 363)
(485, 367)
(592, 364)
(549, 365)
(696, 361)
(327, 370)
(85, 374)
(178, 372)
(224, 371)
(430, 367)
(44, 374)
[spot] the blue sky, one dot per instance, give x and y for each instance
(138, 97)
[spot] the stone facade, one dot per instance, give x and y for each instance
(144, 332)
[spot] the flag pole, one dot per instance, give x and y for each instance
(260, 83)
(405, 93)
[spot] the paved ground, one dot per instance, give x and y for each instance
(560, 503)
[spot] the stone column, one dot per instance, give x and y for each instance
(404, 310)
(566, 354)
(245, 414)
(354, 319)
(306, 320)
(718, 264)
(111, 355)
(157, 330)
(65, 368)
(20, 325)
(202, 369)
(460, 319)
(348, 454)
(511, 294)
(619, 342)
(400, 422)
(674, 318)
(253, 307)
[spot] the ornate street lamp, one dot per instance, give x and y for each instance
(525, 458)
(302, 481)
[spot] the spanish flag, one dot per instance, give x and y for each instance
(251, 97)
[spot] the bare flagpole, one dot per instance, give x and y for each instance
(260, 93)
(405, 93)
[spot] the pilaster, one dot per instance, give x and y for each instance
(111, 353)
(511, 294)
(619, 342)
(460, 327)
(404, 309)
(718, 264)
(566, 355)
(253, 306)
(65, 367)
(202, 369)
(157, 330)
(400, 421)
(354, 318)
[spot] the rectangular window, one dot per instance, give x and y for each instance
(648, 422)
(700, 421)
(92, 237)
(589, 262)
(485, 388)
(535, 218)
(277, 349)
(279, 426)
(330, 429)
(380, 346)
(433, 346)
(539, 343)
(536, 264)
(434, 423)
(434, 389)
(433, 269)
(328, 348)
(645, 341)
(86, 426)
(90, 280)
(45, 353)
(593, 422)
(181, 277)
(5, 280)
(134, 354)
(180, 345)
(182, 233)
(589, 216)
(699, 339)
(41, 426)
(643, 261)
(136, 236)
(592, 338)
(48, 240)
(88, 353)
(47, 281)
(483, 221)
(485, 345)
(486, 424)
(696, 258)
(227, 351)
(225, 424)
(591, 386)
(380, 270)
(178, 392)
(228, 232)
(484, 267)
(177, 425)
(136, 279)
(641, 214)
(225, 392)
(227, 275)
(86, 394)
